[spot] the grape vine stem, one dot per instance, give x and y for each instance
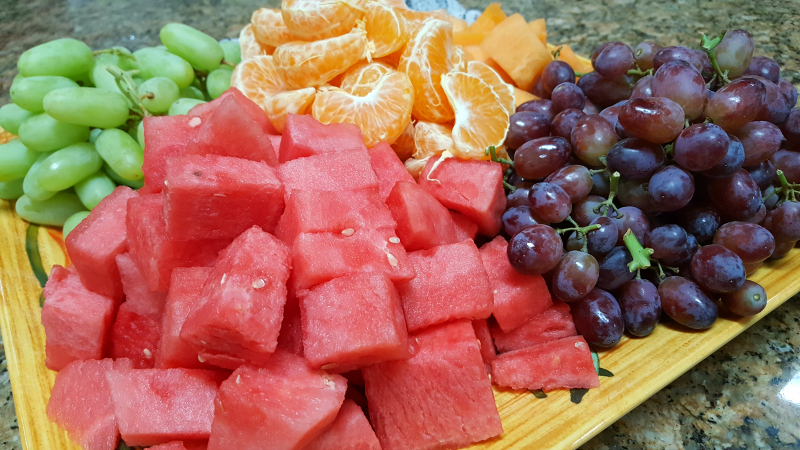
(609, 202)
(640, 254)
(708, 45)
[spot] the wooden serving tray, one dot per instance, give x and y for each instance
(640, 366)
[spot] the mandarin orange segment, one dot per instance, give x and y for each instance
(315, 63)
(382, 115)
(503, 90)
(431, 139)
(394, 3)
(404, 144)
(425, 59)
(459, 59)
(414, 166)
(249, 45)
(321, 19)
(361, 78)
(415, 19)
(481, 118)
(258, 78)
(269, 28)
(280, 105)
(385, 28)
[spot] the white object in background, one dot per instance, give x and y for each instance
(453, 7)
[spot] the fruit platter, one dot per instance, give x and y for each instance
(363, 226)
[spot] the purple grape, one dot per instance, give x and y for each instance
(751, 268)
(614, 271)
(734, 52)
(791, 127)
(643, 88)
(707, 69)
(574, 276)
(764, 67)
(782, 248)
(789, 92)
(671, 188)
(589, 108)
(555, 73)
(784, 221)
(641, 307)
(759, 216)
(718, 269)
(601, 184)
(681, 82)
(574, 179)
(752, 243)
(686, 303)
(583, 212)
(592, 138)
(656, 120)
(748, 300)
(542, 106)
(770, 197)
(643, 54)
(736, 104)
(535, 250)
(634, 193)
(677, 53)
(598, 318)
(763, 174)
(612, 59)
(526, 126)
(635, 159)
(736, 197)
(611, 114)
(701, 221)
(605, 91)
(567, 95)
(518, 218)
(667, 241)
(564, 122)
(701, 146)
(776, 109)
(760, 140)
(789, 162)
(549, 202)
(604, 239)
(518, 198)
(633, 219)
(539, 158)
(733, 160)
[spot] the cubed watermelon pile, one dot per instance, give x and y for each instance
(296, 292)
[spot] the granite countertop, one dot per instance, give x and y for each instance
(746, 395)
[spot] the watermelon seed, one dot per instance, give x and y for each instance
(328, 367)
(147, 353)
(219, 195)
(348, 231)
(201, 359)
(495, 292)
(195, 121)
(394, 240)
(258, 284)
(224, 277)
(577, 344)
(328, 382)
(392, 259)
(238, 379)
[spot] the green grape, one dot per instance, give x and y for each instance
(103, 79)
(135, 184)
(192, 92)
(219, 81)
(155, 62)
(121, 152)
(11, 116)
(66, 57)
(53, 211)
(66, 167)
(15, 160)
(30, 184)
(182, 106)
(94, 188)
(43, 133)
(201, 50)
(17, 79)
(11, 190)
(140, 134)
(91, 107)
(232, 51)
(94, 134)
(158, 93)
(133, 131)
(29, 93)
(73, 221)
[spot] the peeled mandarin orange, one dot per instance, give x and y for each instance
(361, 78)
(431, 139)
(269, 28)
(404, 144)
(321, 19)
(290, 102)
(392, 59)
(315, 63)
(395, 3)
(481, 118)
(414, 166)
(258, 78)
(459, 59)
(382, 114)
(249, 45)
(385, 28)
(503, 90)
(425, 59)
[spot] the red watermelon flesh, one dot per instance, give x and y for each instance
(350, 431)
(422, 222)
(473, 188)
(291, 335)
(439, 398)
(80, 403)
(283, 405)
(484, 335)
(552, 324)
(174, 445)
(216, 197)
(450, 283)
(183, 298)
(332, 211)
(97, 240)
(346, 170)
(321, 257)
(154, 406)
(465, 227)
(276, 143)
(388, 168)
(137, 329)
(562, 364)
(353, 321)
(76, 321)
(164, 137)
(245, 104)
(517, 297)
(155, 252)
(242, 302)
(304, 136)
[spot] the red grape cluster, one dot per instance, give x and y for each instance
(655, 184)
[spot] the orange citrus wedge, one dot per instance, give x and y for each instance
(414, 166)
(481, 118)
(249, 45)
(425, 59)
(382, 114)
(290, 102)
(404, 145)
(361, 78)
(431, 139)
(258, 78)
(321, 19)
(394, 3)
(503, 90)
(459, 59)
(385, 28)
(269, 27)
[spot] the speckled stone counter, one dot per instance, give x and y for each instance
(744, 396)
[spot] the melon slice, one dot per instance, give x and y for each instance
(183, 298)
(388, 168)
(303, 135)
(350, 431)
(550, 325)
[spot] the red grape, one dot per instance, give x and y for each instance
(517, 218)
(788, 162)
(784, 221)
(686, 303)
(518, 198)
(635, 159)
(542, 106)
(643, 87)
(733, 160)
(526, 126)
(643, 54)
(614, 271)
(564, 122)
(574, 179)
(748, 300)
(782, 248)
(763, 174)
(760, 141)
(671, 188)
(634, 193)
(592, 138)
(612, 59)
(555, 73)
(736, 104)
(598, 318)
(641, 307)
(764, 67)
(540, 157)
(718, 269)
(605, 91)
(734, 52)
(789, 92)
(535, 250)
(632, 219)
(583, 212)
(701, 146)
(701, 221)
(681, 82)
(549, 202)
(574, 276)
(736, 197)
(753, 243)
(604, 239)
(667, 241)
(567, 95)
(657, 120)
(677, 53)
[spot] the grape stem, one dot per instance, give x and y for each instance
(640, 254)
(788, 191)
(581, 74)
(602, 160)
(639, 72)
(556, 53)
(128, 89)
(581, 231)
(708, 45)
(668, 149)
(509, 186)
(492, 150)
(226, 63)
(609, 202)
(114, 51)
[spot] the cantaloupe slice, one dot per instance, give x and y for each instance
(524, 62)
(475, 53)
(491, 17)
(458, 24)
(521, 96)
(578, 63)
(539, 27)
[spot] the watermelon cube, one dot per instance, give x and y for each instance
(164, 138)
(137, 329)
(332, 211)
(484, 335)
(174, 445)
(304, 136)
(155, 252)
(347, 170)
(450, 283)
(422, 222)
(179, 403)
(473, 188)
(465, 228)
(291, 335)
(350, 431)
(517, 297)
(353, 321)
(550, 325)
(183, 298)
(246, 105)
(80, 403)
(220, 197)
(445, 382)
(97, 240)
(276, 143)
(562, 364)
(76, 320)
(242, 302)
(321, 257)
(388, 168)
(283, 405)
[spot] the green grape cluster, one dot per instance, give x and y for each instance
(78, 116)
